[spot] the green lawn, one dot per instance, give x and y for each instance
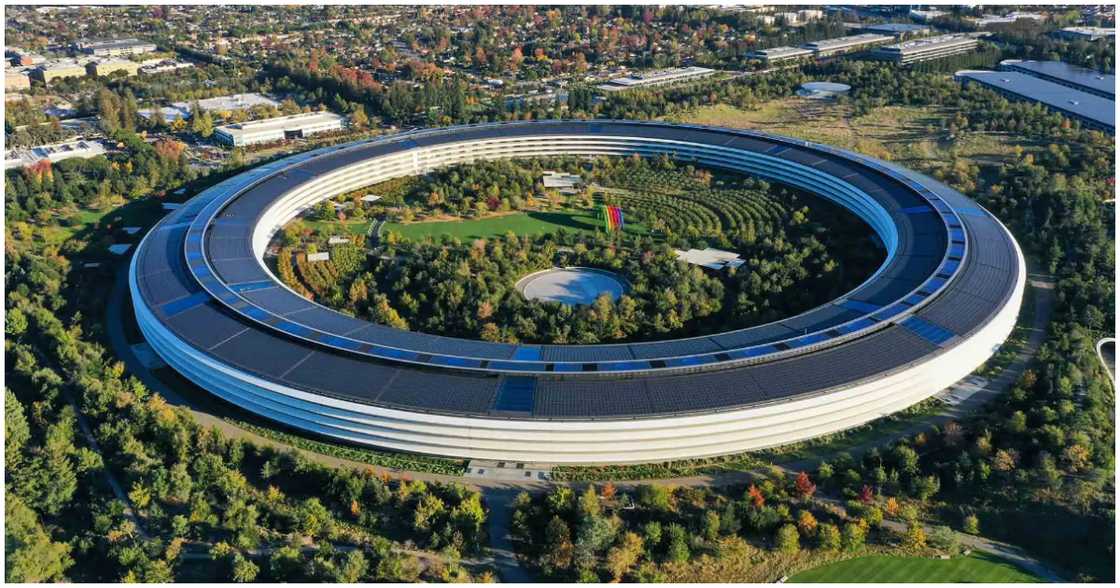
(976, 567)
(521, 223)
(333, 227)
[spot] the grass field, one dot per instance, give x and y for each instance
(912, 136)
(976, 567)
(334, 227)
(521, 223)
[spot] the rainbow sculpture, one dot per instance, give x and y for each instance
(612, 217)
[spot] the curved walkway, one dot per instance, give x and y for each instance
(499, 494)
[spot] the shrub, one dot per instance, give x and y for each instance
(788, 541)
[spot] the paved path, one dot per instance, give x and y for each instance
(499, 494)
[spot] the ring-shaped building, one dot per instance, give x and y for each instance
(942, 302)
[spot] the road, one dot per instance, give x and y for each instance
(499, 494)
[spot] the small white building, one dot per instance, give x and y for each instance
(716, 259)
(15, 158)
(281, 128)
(230, 102)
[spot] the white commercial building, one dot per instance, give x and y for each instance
(657, 78)
(279, 129)
(57, 152)
(926, 15)
(826, 47)
(116, 48)
(926, 49)
(780, 54)
(991, 19)
(230, 102)
(1085, 33)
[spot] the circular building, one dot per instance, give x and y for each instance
(823, 90)
(945, 298)
(571, 285)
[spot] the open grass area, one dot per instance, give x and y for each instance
(976, 567)
(336, 227)
(910, 135)
(521, 223)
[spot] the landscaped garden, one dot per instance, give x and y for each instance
(461, 238)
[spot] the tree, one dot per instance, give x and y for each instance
(244, 570)
(945, 539)
(16, 430)
(711, 525)
(623, 556)
(971, 524)
(787, 539)
(854, 536)
(30, 554)
(558, 550)
(915, 537)
(354, 567)
(359, 119)
(202, 123)
(589, 503)
(807, 524)
(756, 497)
(678, 544)
(655, 497)
(313, 519)
(828, 537)
(804, 486)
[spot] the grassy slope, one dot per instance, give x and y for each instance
(912, 136)
(976, 567)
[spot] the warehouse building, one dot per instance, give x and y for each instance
(1085, 33)
(60, 68)
(926, 49)
(116, 48)
(1091, 110)
(104, 67)
(1058, 72)
(776, 55)
(827, 47)
(660, 77)
(279, 129)
(16, 80)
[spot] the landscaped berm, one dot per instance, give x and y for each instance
(571, 285)
(975, 567)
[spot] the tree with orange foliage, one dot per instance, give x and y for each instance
(805, 487)
(609, 491)
(756, 496)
